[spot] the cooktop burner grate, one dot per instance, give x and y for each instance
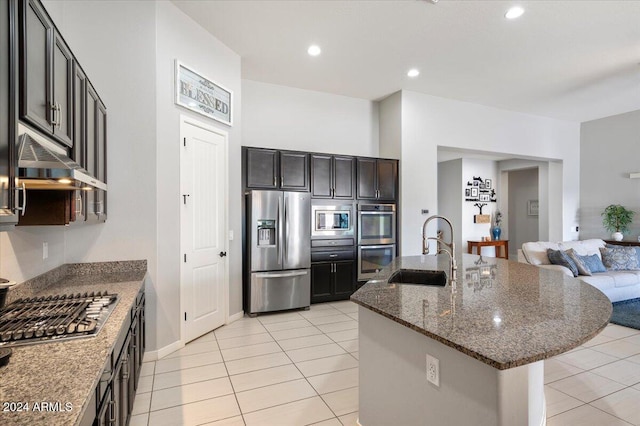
(50, 318)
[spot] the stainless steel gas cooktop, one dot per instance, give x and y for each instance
(52, 318)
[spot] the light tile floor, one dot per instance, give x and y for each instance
(301, 367)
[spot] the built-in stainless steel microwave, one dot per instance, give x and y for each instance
(332, 220)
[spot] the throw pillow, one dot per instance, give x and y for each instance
(619, 258)
(583, 269)
(594, 263)
(558, 257)
(618, 245)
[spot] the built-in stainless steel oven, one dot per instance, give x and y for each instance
(376, 224)
(372, 259)
(332, 220)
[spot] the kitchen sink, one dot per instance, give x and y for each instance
(420, 277)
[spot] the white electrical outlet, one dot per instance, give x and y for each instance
(433, 370)
(45, 250)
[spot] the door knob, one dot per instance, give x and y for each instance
(223, 253)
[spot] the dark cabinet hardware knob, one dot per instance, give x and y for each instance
(223, 253)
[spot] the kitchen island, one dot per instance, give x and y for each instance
(490, 332)
(54, 383)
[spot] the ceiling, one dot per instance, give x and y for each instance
(571, 60)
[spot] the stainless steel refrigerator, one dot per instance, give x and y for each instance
(278, 233)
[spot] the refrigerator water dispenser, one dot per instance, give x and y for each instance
(266, 233)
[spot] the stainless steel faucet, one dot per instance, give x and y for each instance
(450, 246)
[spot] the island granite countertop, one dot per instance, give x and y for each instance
(503, 313)
(67, 371)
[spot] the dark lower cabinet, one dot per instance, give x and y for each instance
(106, 414)
(116, 389)
(332, 280)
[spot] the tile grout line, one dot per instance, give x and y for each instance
(591, 371)
(235, 395)
(309, 383)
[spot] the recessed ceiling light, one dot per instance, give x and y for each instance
(314, 50)
(514, 12)
(413, 72)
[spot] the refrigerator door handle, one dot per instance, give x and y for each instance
(282, 275)
(286, 229)
(278, 239)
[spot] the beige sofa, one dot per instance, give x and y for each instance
(616, 285)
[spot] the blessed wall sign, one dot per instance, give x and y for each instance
(202, 95)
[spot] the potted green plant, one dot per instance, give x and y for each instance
(617, 219)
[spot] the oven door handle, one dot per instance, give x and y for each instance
(377, 247)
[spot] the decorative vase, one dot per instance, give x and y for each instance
(617, 236)
(496, 233)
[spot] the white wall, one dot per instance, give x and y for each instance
(450, 200)
(429, 122)
(115, 44)
(390, 109)
(470, 231)
(128, 50)
(609, 151)
(523, 186)
(178, 37)
(288, 118)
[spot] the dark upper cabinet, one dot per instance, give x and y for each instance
(344, 177)
(46, 74)
(387, 175)
(8, 85)
(101, 160)
(80, 138)
(272, 169)
(261, 168)
(294, 171)
(367, 182)
(332, 176)
(62, 90)
(95, 154)
(377, 179)
(321, 176)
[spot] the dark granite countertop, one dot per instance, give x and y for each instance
(503, 313)
(66, 371)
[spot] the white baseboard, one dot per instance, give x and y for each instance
(162, 352)
(235, 317)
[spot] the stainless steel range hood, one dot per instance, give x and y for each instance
(44, 165)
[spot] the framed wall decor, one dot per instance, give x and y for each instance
(202, 95)
(532, 207)
(479, 189)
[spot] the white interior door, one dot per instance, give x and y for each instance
(203, 203)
